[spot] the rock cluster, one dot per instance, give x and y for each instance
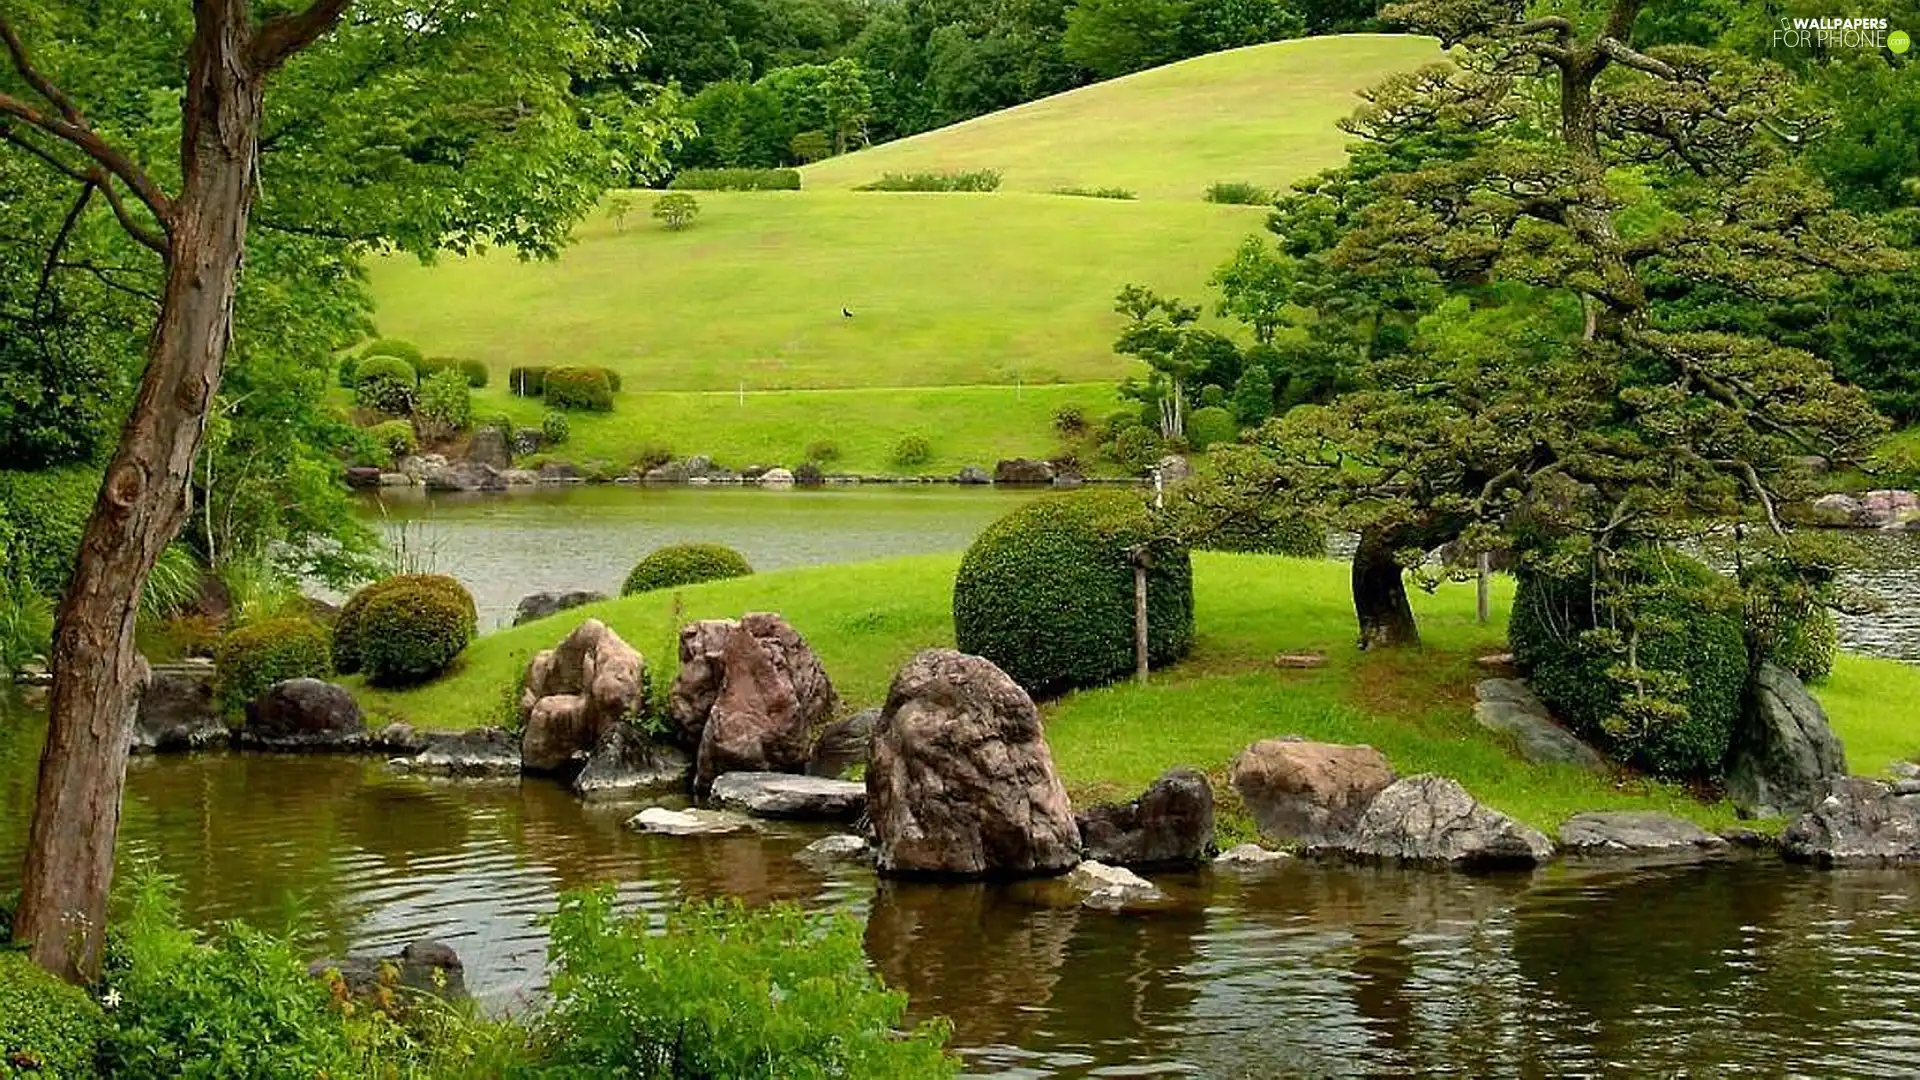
(1308, 792)
(1431, 819)
(1638, 833)
(748, 696)
(542, 604)
(1871, 510)
(1859, 822)
(425, 967)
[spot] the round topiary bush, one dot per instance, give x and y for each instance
(685, 564)
(554, 428)
(1047, 592)
(410, 632)
(385, 383)
(1683, 627)
(912, 451)
(47, 1028)
(1211, 425)
(396, 437)
(476, 373)
(405, 351)
(579, 388)
(253, 657)
(348, 626)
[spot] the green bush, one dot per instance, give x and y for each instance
(652, 455)
(554, 429)
(396, 437)
(1134, 447)
(405, 351)
(1239, 193)
(250, 659)
(685, 564)
(1095, 192)
(348, 633)
(811, 146)
(411, 632)
(46, 511)
(386, 384)
(676, 210)
(1209, 426)
(978, 180)
(1047, 592)
(728, 991)
(736, 180)
(527, 381)
(579, 388)
(476, 373)
(613, 377)
(1674, 713)
(809, 474)
(445, 404)
(47, 1028)
(26, 627)
(912, 451)
(1807, 645)
(1273, 530)
(824, 451)
(345, 373)
(1070, 421)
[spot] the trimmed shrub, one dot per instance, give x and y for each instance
(527, 381)
(411, 630)
(736, 180)
(396, 437)
(386, 384)
(347, 626)
(613, 377)
(912, 451)
(1807, 645)
(1134, 447)
(46, 511)
(445, 404)
(676, 210)
(257, 655)
(1674, 713)
(1212, 395)
(1047, 592)
(1209, 426)
(47, 1028)
(824, 451)
(554, 429)
(977, 180)
(810, 146)
(344, 373)
(1239, 193)
(405, 351)
(476, 373)
(1095, 192)
(579, 388)
(809, 474)
(1070, 420)
(1272, 531)
(685, 564)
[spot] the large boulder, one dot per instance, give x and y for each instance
(625, 763)
(1170, 825)
(1509, 707)
(1785, 755)
(176, 711)
(574, 692)
(489, 447)
(782, 795)
(972, 475)
(843, 744)
(961, 781)
(1859, 822)
(305, 714)
(1022, 472)
(1636, 833)
(465, 476)
(1432, 820)
(1308, 792)
(748, 696)
(542, 604)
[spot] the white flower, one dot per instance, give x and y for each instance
(111, 999)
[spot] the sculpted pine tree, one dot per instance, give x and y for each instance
(395, 127)
(1506, 250)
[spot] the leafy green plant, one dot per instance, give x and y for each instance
(1096, 192)
(736, 180)
(811, 146)
(476, 373)
(445, 405)
(685, 564)
(255, 656)
(47, 1028)
(824, 451)
(349, 628)
(979, 180)
(579, 388)
(26, 627)
(385, 384)
(676, 210)
(1047, 591)
(809, 474)
(346, 370)
(912, 451)
(1070, 421)
(527, 381)
(173, 584)
(405, 351)
(762, 994)
(1210, 425)
(1239, 193)
(46, 511)
(257, 590)
(411, 631)
(396, 438)
(554, 429)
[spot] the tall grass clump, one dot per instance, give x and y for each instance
(977, 180)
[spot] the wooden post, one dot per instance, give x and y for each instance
(1140, 621)
(1484, 587)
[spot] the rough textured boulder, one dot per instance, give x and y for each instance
(625, 763)
(843, 744)
(176, 711)
(1508, 706)
(748, 696)
(1170, 825)
(1636, 833)
(363, 476)
(305, 714)
(661, 821)
(559, 472)
(423, 967)
(973, 474)
(1431, 819)
(1785, 756)
(1022, 472)
(961, 781)
(1312, 793)
(489, 447)
(1173, 468)
(1859, 822)
(782, 795)
(477, 752)
(465, 476)
(574, 692)
(542, 604)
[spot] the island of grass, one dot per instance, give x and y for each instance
(1415, 705)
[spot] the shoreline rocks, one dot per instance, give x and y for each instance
(1111, 888)
(1785, 754)
(574, 693)
(786, 795)
(305, 715)
(1432, 820)
(748, 695)
(1858, 822)
(1636, 833)
(1307, 792)
(426, 967)
(626, 763)
(1170, 824)
(661, 821)
(542, 604)
(176, 714)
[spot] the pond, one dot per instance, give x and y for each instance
(1748, 968)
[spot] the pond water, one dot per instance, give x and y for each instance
(1747, 968)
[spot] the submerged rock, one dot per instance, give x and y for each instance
(426, 967)
(1634, 833)
(1510, 707)
(1859, 822)
(661, 821)
(1308, 792)
(1242, 856)
(1170, 824)
(477, 752)
(1431, 819)
(783, 795)
(1785, 755)
(1111, 888)
(845, 848)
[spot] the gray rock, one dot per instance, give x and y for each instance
(425, 967)
(844, 848)
(1839, 509)
(782, 795)
(843, 745)
(1022, 472)
(477, 752)
(1173, 468)
(520, 477)
(1859, 822)
(973, 474)
(465, 476)
(489, 447)
(626, 763)
(1508, 706)
(1171, 824)
(661, 821)
(776, 478)
(176, 711)
(1244, 856)
(559, 472)
(1636, 833)
(1785, 756)
(1111, 888)
(1308, 792)
(395, 479)
(542, 604)
(305, 714)
(1432, 820)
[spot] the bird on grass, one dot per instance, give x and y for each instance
(845, 314)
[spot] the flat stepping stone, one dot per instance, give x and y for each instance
(1626, 833)
(1510, 708)
(787, 795)
(660, 821)
(1244, 856)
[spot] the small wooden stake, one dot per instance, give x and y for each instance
(1140, 621)
(1485, 586)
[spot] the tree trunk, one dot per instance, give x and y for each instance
(142, 504)
(1380, 594)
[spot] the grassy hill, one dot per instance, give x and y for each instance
(1009, 289)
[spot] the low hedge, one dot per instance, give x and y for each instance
(47, 1028)
(685, 564)
(530, 381)
(476, 373)
(979, 180)
(736, 180)
(46, 511)
(348, 626)
(1047, 592)
(255, 656)
(579, 388)
(411, 631)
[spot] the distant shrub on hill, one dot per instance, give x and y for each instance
(1239, 193)
(1096, 192)
(528, 381)
(579, 388)
(736, 180)
(385, 384)
(979, 180)
(912, 451)
(398, 349)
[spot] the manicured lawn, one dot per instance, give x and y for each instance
(865, 620)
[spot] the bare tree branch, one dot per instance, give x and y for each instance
(60, 242)
(279, 38)
(1628, 56)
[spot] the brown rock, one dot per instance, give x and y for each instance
(748, 696)
(961, 782)
(1300, 660)
(1501, 664)
(577, 690)
(1309, 792)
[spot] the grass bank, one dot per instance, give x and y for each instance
(865, 620)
